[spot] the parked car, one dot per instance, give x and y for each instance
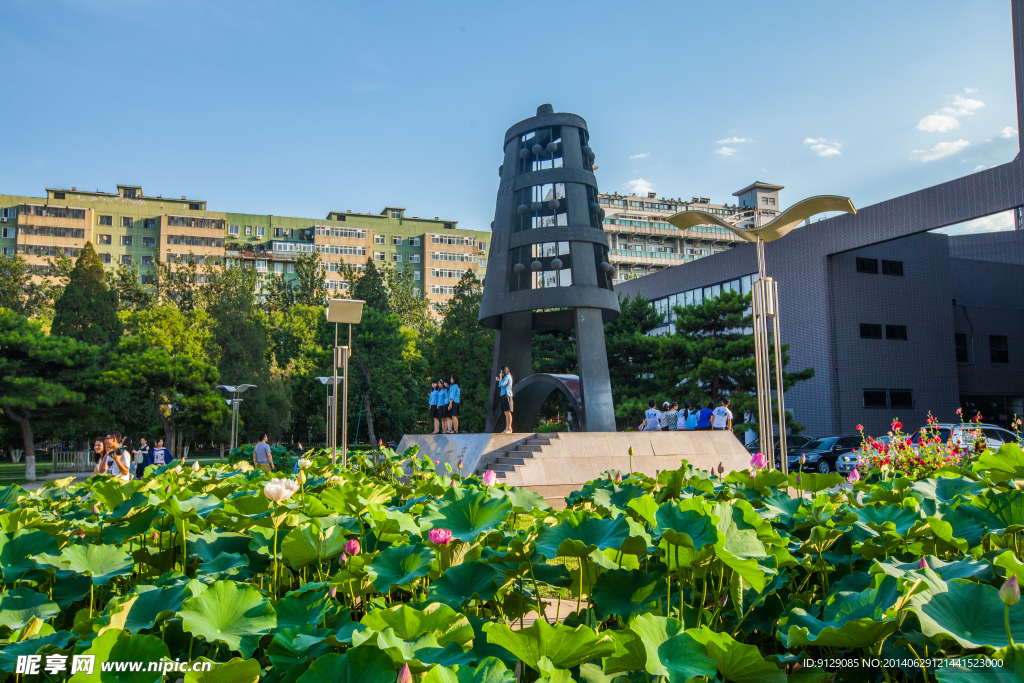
(823, 455)
(963, 434)
(792, 441)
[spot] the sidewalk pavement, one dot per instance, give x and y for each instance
(42, 481)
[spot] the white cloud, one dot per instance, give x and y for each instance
(725, 151)
(945, 119)
(998, 222)
(640, 156)
(639, 186)
(733, 141)
(979, 167)
(823, 148)
(1008, 132)
(938, 123)
(939, 151)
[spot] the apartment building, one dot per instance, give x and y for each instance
(133, 228)
(643, 242)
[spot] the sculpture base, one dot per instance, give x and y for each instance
(554, 465)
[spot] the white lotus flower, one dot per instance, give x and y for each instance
(304, 463)
(195, 467)
(279, 490)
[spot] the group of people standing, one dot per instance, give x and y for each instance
(113, 455)
(670, 418)
(445, 396)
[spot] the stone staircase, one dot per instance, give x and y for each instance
(508, 464)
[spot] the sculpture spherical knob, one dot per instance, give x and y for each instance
(600, 214)
(604, 266)
(536, 266)
(519, 269)
(594, 207)
(500, 169)
(556, 263)
(613, 272)
(586, 150)
(523, 209)
(523, 153)
(537, 150)
(552, 147)
(536, 206)
(553, 204)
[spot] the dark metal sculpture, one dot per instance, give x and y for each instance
(548, 268)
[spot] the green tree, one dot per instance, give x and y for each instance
(633, 359)
(403, 299)
(371, 287)
(711, 355)
(40, 376)
(310, 284)
(178, 283)
(132, 295)
(17, 291)
(464, 347)
(87, 309)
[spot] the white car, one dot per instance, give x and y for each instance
(963, 435)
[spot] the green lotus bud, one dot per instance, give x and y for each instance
(631, 450)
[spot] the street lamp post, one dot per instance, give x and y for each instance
(233, 402)
(765, 294)
(328, 441)
(341, 311)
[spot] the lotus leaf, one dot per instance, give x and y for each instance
(966, 612)
(118, 646)
(671, 652)
(99, 562)
(235, 670)
(19, 605)
(17, 549)
(227, 612)
(309, 544)
(580, 535)
(30, 646)
(408, 623)
(626, 592)
(357, 665)
(465, 581)
(564, 646)
(467, 513)
(736, 661)
(400, 565)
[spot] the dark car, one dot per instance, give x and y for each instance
(822, 455)
(792, 441)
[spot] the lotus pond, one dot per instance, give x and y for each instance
(369, 573)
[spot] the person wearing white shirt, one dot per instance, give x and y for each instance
(722, 416)
(118, 462)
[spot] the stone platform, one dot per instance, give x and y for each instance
(556, 464)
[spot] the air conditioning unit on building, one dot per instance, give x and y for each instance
(3, 219)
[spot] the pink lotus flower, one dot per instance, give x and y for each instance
(922, 563)
(333, 592)
(343, 559)
(721, 468)
(95, 509)
(759, 461)
(618, 478)
(753, 474)
(440, 536)
(352, 547)
(437, 462)
(405, 676)
(854, 476)
(460, 464)
(380, 442)
(155, 535)
(489, 478)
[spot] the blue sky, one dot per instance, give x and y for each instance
(301, 108)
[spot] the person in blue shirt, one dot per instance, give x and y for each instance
(504, 380)
(433, 406)
(704, 420)
(442, 405)
(454, 395)
(692, 417)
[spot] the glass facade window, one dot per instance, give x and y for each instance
(695, 297)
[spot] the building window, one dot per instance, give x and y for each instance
(126, 259)
(870, 331)
(396, 257)
(764, 200)
(771, 201)
(126, 240)
(378, 239)
(278, 268)
(147, 260)
(103, 239)
(414, 241)
(867, 265)
(248, 231)
(106, 220)
(414, 258)
(291, 268)
(875, 398)
(415, 291)
(378, 256)
(127, 221)
(149, 242)
(58, 195)
(482, 262)
(998, 349)
(9, 233)
(901, 398)
(396, 213)
(260, 231)
(898, 332)
(105, 258)
(397, 241)
(195, 206)
(415, 275)
(483, 246)
(961, 348)
(233, 230)
(151, 223)
(449, 226)
(261, 266)
(892, 268)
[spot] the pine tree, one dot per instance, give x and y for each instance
(711, 355)
(633, 357)
(463, 347)
(310, 285)
(411, 308)
(132, 295)
(87, 309)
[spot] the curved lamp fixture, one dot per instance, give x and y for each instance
(775, 228)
